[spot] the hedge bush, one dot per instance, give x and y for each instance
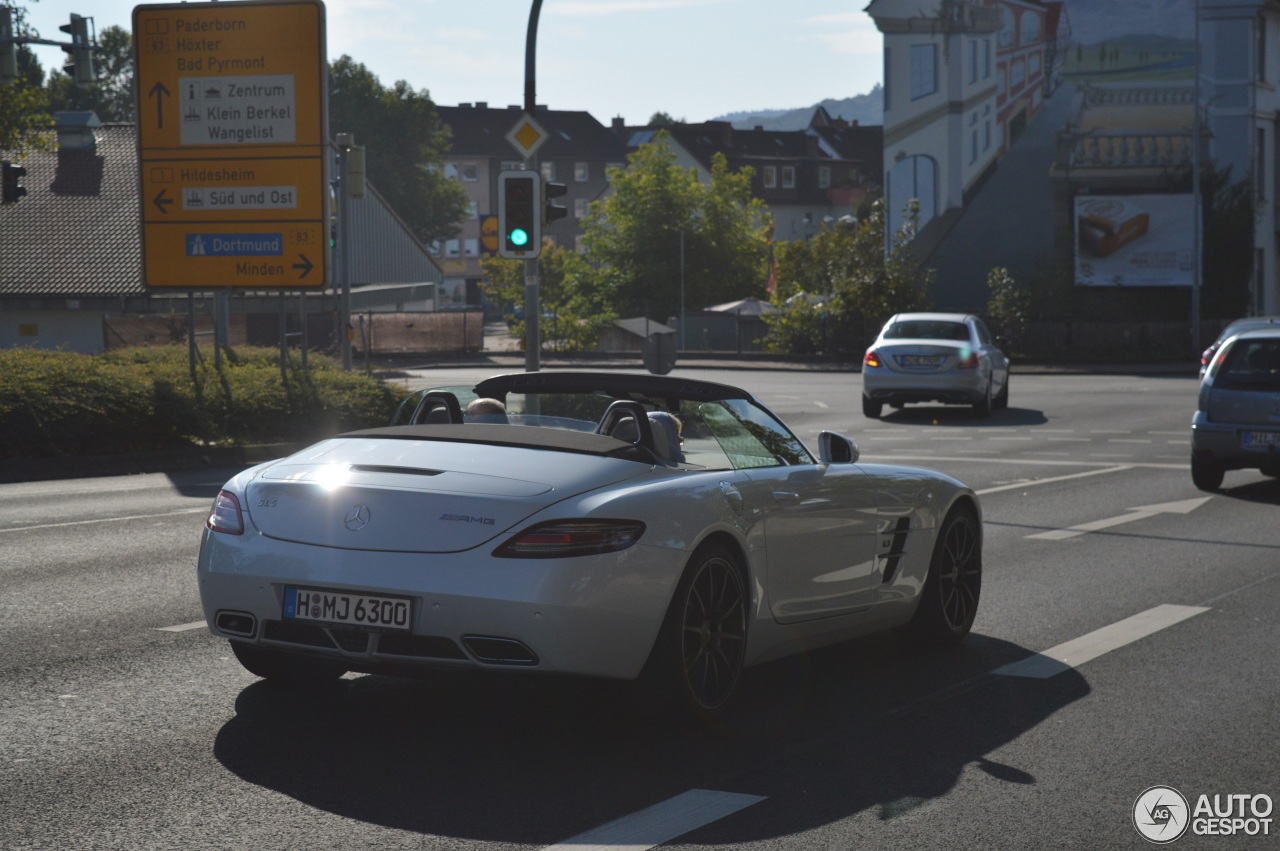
(141, 399)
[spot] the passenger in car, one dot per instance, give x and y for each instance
(486, 411)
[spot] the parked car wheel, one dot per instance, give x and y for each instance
(1001, 401)
(697, 661)
(949, 601)
(1206, 474)
(871, 409)
(282, 667)
(982, 408)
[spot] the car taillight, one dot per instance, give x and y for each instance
(225, 515)
(872, 359)
(562, 538)
(1206, 358)
(971, 362)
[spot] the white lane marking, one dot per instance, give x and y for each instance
(1019, 439)
(898, 455)
(1141, 512)
(1050, 480)
(1127, 440)
(823, 405)
(951, 438)
(1108, 431)
(660, 823)
(1076, 652)
(204, 510)
(182, 627)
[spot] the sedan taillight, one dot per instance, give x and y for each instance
(225, 515)
(564, 538)
(872, 359)
(971, 362)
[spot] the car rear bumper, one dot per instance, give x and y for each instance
(592, 615)
(1223, 443)
(893, 388)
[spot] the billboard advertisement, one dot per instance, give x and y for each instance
(1134, 240)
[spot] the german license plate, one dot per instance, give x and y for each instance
(1260, 439)
(919, 360)
(313, 604)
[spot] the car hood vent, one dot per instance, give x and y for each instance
(416, 496)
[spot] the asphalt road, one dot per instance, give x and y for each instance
(1147, 609)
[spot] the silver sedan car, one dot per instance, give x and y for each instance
(1237, 421)
(935, 357)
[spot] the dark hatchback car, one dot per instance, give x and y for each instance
(1237, 421)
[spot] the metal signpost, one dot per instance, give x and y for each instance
(233, 144)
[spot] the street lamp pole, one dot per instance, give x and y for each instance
(682, 337)
(1197, 261)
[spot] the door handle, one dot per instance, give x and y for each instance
(786, 498)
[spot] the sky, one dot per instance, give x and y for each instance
(693, 59)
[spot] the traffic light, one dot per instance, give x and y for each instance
(8, 47)
(13, 189)
(519, 214)
(80, 68)
(552, 211)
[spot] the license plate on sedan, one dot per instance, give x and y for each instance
(1259, 439)
(342, 607)
(919, 360)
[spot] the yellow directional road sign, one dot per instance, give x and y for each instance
(233, 143)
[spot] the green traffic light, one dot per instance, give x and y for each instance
(519, 236)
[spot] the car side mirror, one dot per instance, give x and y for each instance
(835, 448)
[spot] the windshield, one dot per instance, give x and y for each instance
(725, 434)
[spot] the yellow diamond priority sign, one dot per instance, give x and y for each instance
(527, 136)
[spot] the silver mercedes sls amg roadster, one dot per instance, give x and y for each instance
(635, 527)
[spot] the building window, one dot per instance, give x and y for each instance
(886, 76)
(579, 208)
(475, 208)
(788, 177)
(472, 248)
(973, 138)
(512, 165)
(548, 171)
(451, 171)
(581, 173)
(986, 59)
(986, 127)
(973, 62)
(579, 244)
(1260, 164)
(770, 177)
(1030, 28)
(924, 70)
(470, 173)
(451, 248)
(1261, 24)
(824, 176)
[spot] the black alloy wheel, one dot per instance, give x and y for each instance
(697, 663)
(949, 600)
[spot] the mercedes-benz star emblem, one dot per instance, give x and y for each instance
(357, 518)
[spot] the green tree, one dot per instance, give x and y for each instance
(577, 305)
(405, 143)
(634, 234)
(836, 289)
(25, 122)
(111, 95)
(1008, 307)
